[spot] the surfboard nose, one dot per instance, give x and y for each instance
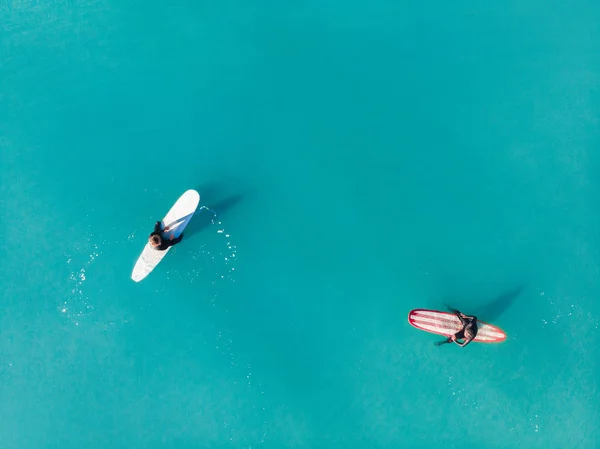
(192, 194)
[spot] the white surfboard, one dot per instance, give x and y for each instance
(176, 220)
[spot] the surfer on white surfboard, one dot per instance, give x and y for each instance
(158, 242)
(467, 333)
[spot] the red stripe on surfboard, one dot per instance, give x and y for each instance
(444, 323)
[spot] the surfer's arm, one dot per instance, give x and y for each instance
(172, 241)
(157, 227)
(464, 343)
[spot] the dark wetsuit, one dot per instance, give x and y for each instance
(165, 243)
(469, 330)
(467, 333)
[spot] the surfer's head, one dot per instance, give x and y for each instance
(155, 240)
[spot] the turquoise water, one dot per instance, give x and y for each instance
(363, 159)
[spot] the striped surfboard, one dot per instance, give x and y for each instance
(447, 324)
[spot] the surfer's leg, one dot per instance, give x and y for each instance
(454, 311)
(461, 316)
(174, 241)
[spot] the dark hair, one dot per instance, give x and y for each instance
(155, 239)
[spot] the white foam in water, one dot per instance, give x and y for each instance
(221, 261)
(77, 306)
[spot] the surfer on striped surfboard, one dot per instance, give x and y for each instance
(467, 333)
